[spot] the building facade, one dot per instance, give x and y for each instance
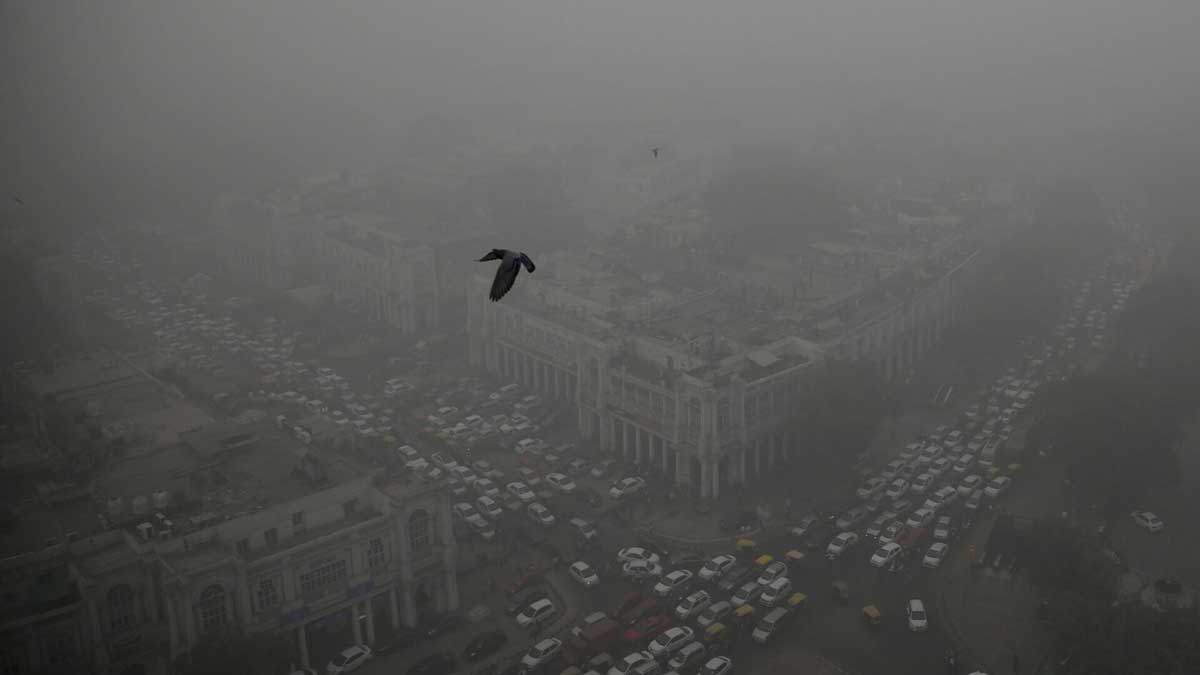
(340, 566)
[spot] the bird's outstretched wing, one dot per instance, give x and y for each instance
(506, 276)
(529, 266)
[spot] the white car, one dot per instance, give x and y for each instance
(939, 466)
(640, 570)
(668, 584)
(522, 492)
(969, 484)
(715, 568)
(1148, 521)
(350, 660)
(897, 489)
(540, 514)
(626, 487)
(537, 612)
(561, 483)
(921, 483)
(885, 554)
(486, 487)
(584, 574)
(935, 555)
(541, 653)
(635, 553)
(997, 486)
(670, 641)
(718, 665)
(920, 518)
(772, 572)
(871, 487)
(918, 620)
(840, 544)
(692, 605)
(627, 663)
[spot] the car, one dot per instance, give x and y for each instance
(718, 665)
(486, 487)
(641, 570)
(349, 660)
(921, 483)
(897, 489)
(537, 612)
(626, 487)
(542, 652)
(939, 466)
(600, 469)
(489, 508)
(771, 572)
(943, 528)
(714, 613)
(802, 528)
(521, 491)
(851, 517)
(687, 658)
(935, 555)
(997, 487)
(776, 592)
(840, 544)
(974, 501)
(434, 664)
(718, 565)
(733, 578)
(1148, 521)
(918, 621)
(670, 641)
(561, 483)
(628, 662)
(871, 487)
(692, 605)
(647, 628)
(877, 526)
(673, 582)
(588, 621)
(636, 553)
(484, 645)
(747, 594)
(893, 468)
(885, 554)
(920, 518)
(540, 514)
(583, 573)
(444, 624)
(969, 484)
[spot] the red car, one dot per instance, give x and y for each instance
(639, 611)
(647, 628)
(628, 602)
(531, 575)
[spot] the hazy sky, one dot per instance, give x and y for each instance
(113, 106)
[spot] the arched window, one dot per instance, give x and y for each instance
(212, 608)
(120, 608)
(418, 531)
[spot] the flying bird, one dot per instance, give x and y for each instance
(18, 200)
(506, 274)
(655, 151)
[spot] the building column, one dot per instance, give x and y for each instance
(666, 460)
(410, 607)
(716, 479)
(355, 624)
(393, 608)
(172, 623)
(370, 621)
(757, 457)
(189, 620)
(742, 462)
(625, 441)
(770, 451)
(302, 640)
(637, 444)
(704, 483)
(451, 584)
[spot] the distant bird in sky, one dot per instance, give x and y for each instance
(506, 274)
(18, 200)
(655, 152)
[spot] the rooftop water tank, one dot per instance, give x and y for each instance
(161, 499)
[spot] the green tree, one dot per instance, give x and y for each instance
(231, 653)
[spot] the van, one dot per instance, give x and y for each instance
(769, 624)
(585, 532)
(776, 592)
